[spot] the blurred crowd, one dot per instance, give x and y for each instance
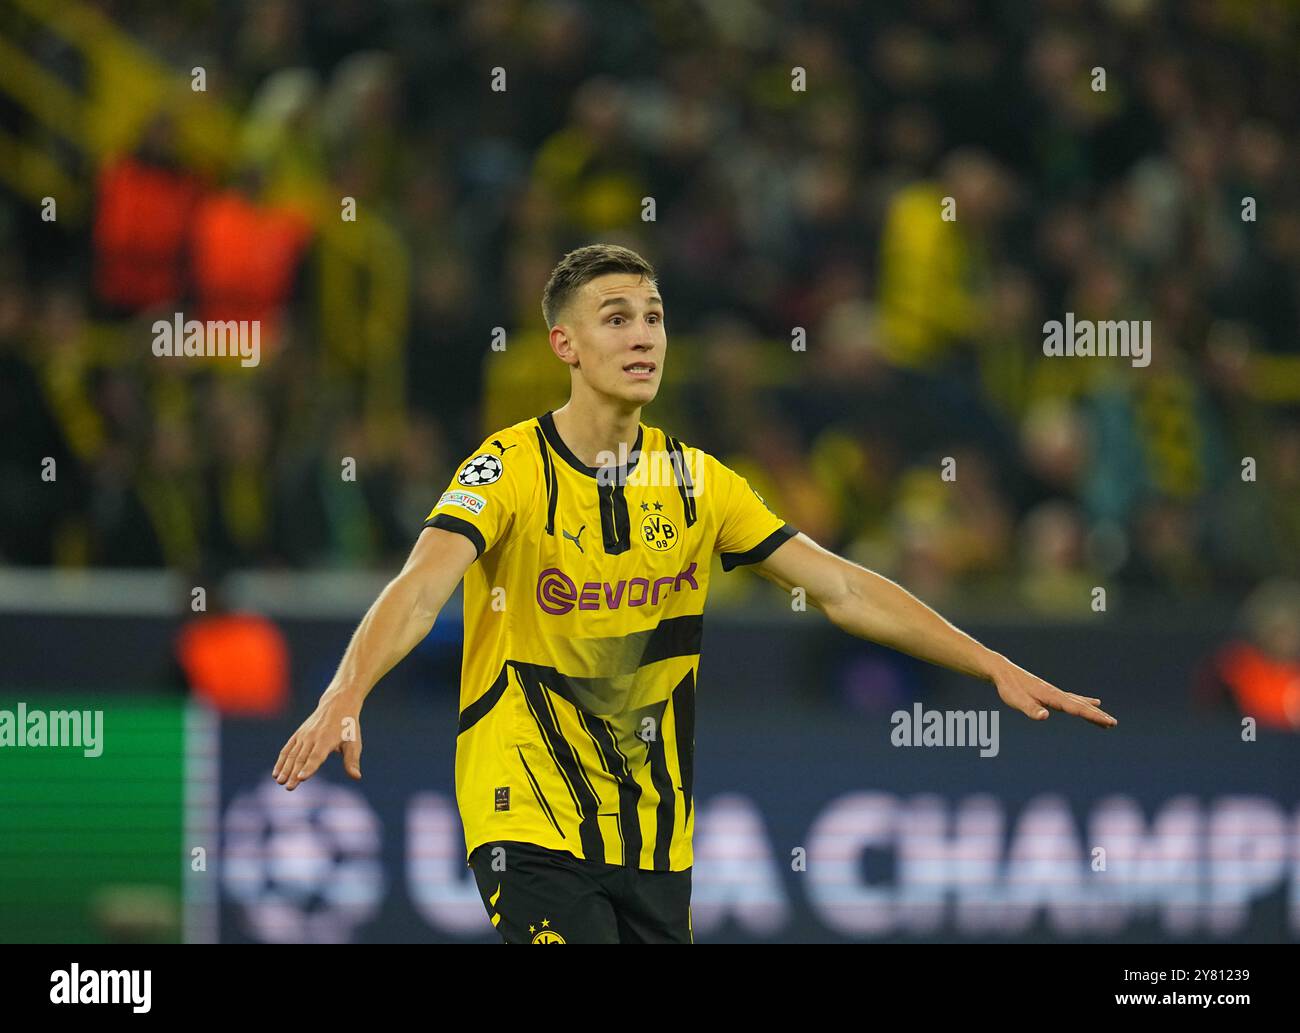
(1120, 196)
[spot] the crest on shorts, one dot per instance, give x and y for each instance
(545, 934)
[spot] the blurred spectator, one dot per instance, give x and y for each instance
(1260, 671)
(1164, 196)
(934, 260)
(246, 258)
(236, 662)
(143, 212)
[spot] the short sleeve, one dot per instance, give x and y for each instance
(748, 532)
(485, 493)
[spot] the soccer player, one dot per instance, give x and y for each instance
(585, 539)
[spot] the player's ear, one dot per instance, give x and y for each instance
(562, 345)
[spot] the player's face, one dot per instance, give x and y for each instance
(619, 338)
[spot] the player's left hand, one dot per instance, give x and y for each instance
(1031, 695)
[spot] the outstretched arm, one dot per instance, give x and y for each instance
(873, 607)
(395, 624)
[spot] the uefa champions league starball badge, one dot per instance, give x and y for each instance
(482, 469)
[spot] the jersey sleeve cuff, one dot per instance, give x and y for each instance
(453, 523)
(761, 551)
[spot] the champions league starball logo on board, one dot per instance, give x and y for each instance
(304, 866)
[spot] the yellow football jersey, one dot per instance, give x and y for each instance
(583, 620)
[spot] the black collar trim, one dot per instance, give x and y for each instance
(547, 423)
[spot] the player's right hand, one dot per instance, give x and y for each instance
(1032, 696)
(333, 727)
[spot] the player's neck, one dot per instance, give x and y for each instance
(590, 431)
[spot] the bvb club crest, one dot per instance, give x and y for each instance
(658, 533)
(545, 935)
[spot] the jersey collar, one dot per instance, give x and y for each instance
(556, 442)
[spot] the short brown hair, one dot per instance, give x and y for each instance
(583, 265)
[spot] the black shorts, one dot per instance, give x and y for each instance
(535, 895)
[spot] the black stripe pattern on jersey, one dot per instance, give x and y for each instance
(566, 760)
(685, 488)
(684, 721)
(541, 797)
(477, 710)
(539, 684)
(674, 636)
(615, 525)
(452, 523)
(761, 551)
(615, 763)
(657, 758)
(552, 483)
(671, 637)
